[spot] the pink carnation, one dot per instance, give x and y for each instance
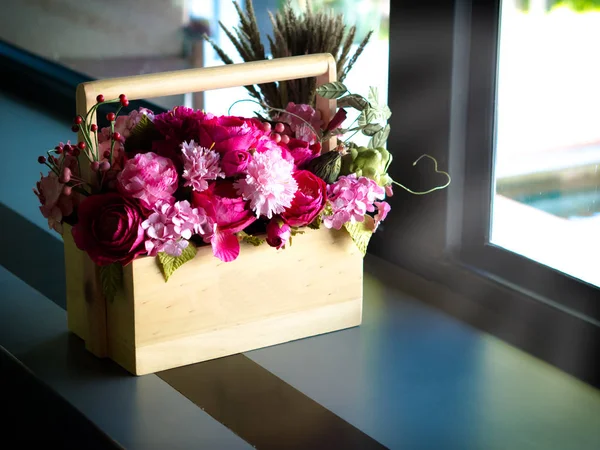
(299, 128)
(269, 184)
(169, 228)
(200, 165)
(55, 204)
(149, 178)
(350, 199)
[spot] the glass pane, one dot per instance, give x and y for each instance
(547, 179)
(130, 37)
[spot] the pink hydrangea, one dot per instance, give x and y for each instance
(299, 128)
(269, 184)
(149, 178)
(200, 165)
(350, 199)
(383, 208)
(169, 228)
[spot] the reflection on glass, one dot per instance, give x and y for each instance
(547, 178)
(130, 37)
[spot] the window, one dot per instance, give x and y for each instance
(447, 92)
(547, 198)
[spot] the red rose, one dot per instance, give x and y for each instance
(227, 133)
(110, 229)
(302, 151)
(235, 162)
(309, 200)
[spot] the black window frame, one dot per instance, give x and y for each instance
(443, 66)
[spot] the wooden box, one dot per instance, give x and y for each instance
(209, 309)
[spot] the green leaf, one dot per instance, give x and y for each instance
(361, 232)
(295, 231)
(371, 129)
(170, 264)
(367, 116)
(111, 279)
(374, 97)
(316, 224)
(380, 138)
(385, 112)
(142, 135)
(332, 90)
(353, 101)
(250, 239)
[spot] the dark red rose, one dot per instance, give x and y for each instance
(309, 200)
(110, 228)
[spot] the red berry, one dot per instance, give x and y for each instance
(58, 150)
(117, 136)
(124, 102)
(81, 145)
(104, 166)
(111, 117)
(122, 96)
(279, 127)
(276, 137)
(42, 159)
(94, 128)
(75, 128)
(75, 151)
(77, 120)
(285, 139)
(267, 127)
(106, 154)
(100, 98)
(58, 147)
(95, 166)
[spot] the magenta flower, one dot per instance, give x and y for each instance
(278, 233)
(200, 165)
(228, 133)
(350, 199)
(309, 201)
(299, 128)
(302, 151)
(228, 213)
(235, 162)
(123, 125)
(169, 228)
(149, 178)
(269, 184)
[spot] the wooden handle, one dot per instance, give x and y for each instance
(322, 66)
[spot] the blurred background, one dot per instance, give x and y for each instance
(547, 196)
(128, 37)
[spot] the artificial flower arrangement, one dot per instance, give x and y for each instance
(159, 185)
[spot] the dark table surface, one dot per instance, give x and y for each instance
(409, 377)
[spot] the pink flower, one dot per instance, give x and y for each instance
(228, 133)
(302, 151)
(169, 228)
(350, 199)
(199, 166)
(383, 208)
(278, 233)
(55, 204)
(299, 128)
(123, 125)
(149, 178)
(235, 162)
(309, 200)
(110, 228)
(227, 213)
(269, 184)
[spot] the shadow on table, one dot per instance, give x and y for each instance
(32, 255)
